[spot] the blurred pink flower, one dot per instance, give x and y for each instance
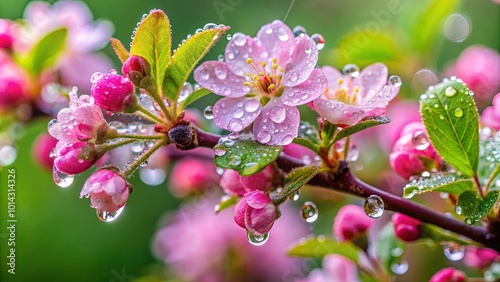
(7, 33)
(42, 148)
(107, 189)
(336, 268)
(298, 151)
(274, 69)
(14, 83)
(480, 257)
(255, 212)
(479, 68)
(406, 228)
(491, 115)
(349, 99)
(351, 222)
(234, 184)
(192, 176)
(448, 274)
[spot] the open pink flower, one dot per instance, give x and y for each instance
(491, 115)
(264, 79)
(348, 99)
(255, 212)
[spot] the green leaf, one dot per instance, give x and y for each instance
(225, 203)
(192, 97)
(119, 49)
(153, 41)
(450, 117)
(186, 57)
(389, 249)
(447, 182)
(320, 247)
(46, 51)
(473, 208)
(362, 125)
(307, 136)
(327, 133)
(297, 178)
(246, 156)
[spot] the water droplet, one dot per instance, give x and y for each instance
(137, 147)
(374, 206)
(234, 160)
(95, 77)
(220, 72)
(309, 212)
(263, 137)
(209, 26)
(294, 76)
(62, 179)
(235, 125)
(220, 58)
(441, 117)
(450, 91)
(220, 151)
(239, 39)
(320, 41)
(251, 105)
(238, 113)
(444, 195)
(143, 164)
(353, 153)
(233, 135)
(208, 112)
(458, 210)
(299, 30)
(394, 81)
(257, 240)
(8, 155)
(454, 251)
(457, 27)
(229, 36)
(397, 252)
(458, 112)
(351, 70)
(152, 177)
(287, 139)
(109, 216)
(282, 34)
(420, 140)
(119, 126)
(295, 196)
(400, 268)
(277, 114)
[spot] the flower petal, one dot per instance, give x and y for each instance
(302, 61)
(216, 77)
(333, 75)
(371, 79)
(239, 49)
(277, 124)
(275, 38)
(307, 91)
(239, 212)
(378, 102)
(257, 199)
(260, 221)
(337, 112)
(234, 114)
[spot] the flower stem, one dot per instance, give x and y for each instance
(133, 166)
(141, 137)
(144, 113)
(346, 147)
(110, 146)
(478, 184)
(158, 99)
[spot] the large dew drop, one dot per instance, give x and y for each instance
(257, 240)
(277, 114)
(320, 41)
(400, 268)
(454, 252)
(420, 140)
(458, 112)
(299, 30)
(209, 26)
(109, 216)
(351, 70)
(394, 81)
(450, 91)
(208, 112)
(374, 206)
(309, 212)
(62, 179)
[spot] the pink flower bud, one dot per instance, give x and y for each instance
(491, 115)
(351, 222)
(413, 153)
(448, 274)
(136, 68)
(406, 228)
(480, 257)
(6, 33)
(255, 212)
(42, 148)
(114, 93)
(14, 83)
(298, 151)
(234, 184)
(68, 159)
(107, 189)
(192, 176)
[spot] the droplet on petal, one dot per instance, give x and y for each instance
(277, 114)
(282, 34)
(208, 112)
(235, 125)
(62, 179)
(257, 240)
(263, 137)
(374, 206)
(351, 70)
(309, 212)
(251, 105)
(95, 77)
(109, 216)
(394, 81)
(320, 41)
(299, 30)
(239, 39)
(233, 135)
(420, 140)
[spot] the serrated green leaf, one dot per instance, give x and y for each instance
(119, 49)
(246, 156)
(320, 247)
(451, 121)
(186, 57)
(473, 208)
(362, 125)
(226, 203)
(452, 183)
(46, 51)
(192, 97)
(297, 178)
(153, 41)
(389, 249)
(307, 136)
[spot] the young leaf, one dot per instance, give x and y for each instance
(450, 118)
(297, 178)
(363, 124)
(226, 203)
(246, 156)
(389, 249)
(186, 57)
(153, 41)
(192, 97)
(473, 208)
(320, 247)
(307, 136)
(46, 51)
(119, 49)
(452, 183)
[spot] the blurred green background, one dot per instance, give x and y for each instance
(58, 236)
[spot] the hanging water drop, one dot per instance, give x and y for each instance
(220, 58)
(353, 153)
(320, 41)
(208, 112)
(351, 70)
(299, 30)
(152, 177)
(309, 212)
(400, 268)
(229, 36)
(209, 26)
(233, 135)
(374, 206)
(394, 81)
(239, 39)
(450, 91)
(420, 140)
(62, 179)
(295, 196)
(458, 112)
(257, 240)
(109, 216)
(454, 251)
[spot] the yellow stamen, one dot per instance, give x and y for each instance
(246, 83)
(261, 74)
(264, 64)
(247, 74)
(249, 60)
(356, 89)
(340, 81)
(271, 86)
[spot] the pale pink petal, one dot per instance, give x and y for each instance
(239, 212)
(490, 118)
(275, 38)
(76, 69)
(307, 91)
(337, 112)
(333, 75)
(260, 221)
(234, 114)
(216, 77)
(277, 124)
(379, 100)
(239, 49)
(257, 199)
(371, 79)
(37, 13)
(72, 13)
(302, 61)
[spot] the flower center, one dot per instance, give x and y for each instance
(265, 81)
(342, 93)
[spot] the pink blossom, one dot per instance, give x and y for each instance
(449, 274)
(67, 158)
(479, 68)
(491, 115)
(413, 153)
(406, 228)
(42, 148)
(14, 83)
(113, 92)
(351, 222)
(192, 176)
(255, 212)
(348, 99)
(234, 184)
(264, 79)
(107, 189)
(336, 268)
(480, 257)
(7, 33)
